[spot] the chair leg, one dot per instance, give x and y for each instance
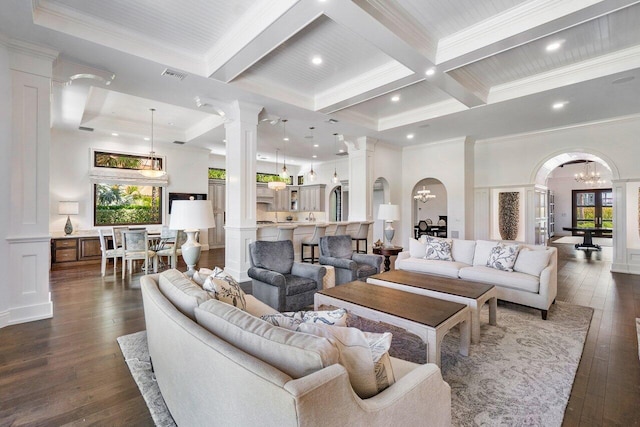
(124, 267)
(103, 265)
(313, 254)
(155, 264)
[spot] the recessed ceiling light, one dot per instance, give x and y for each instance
(340, 151)
(559, 105)
(553, 46)
(146, 138)
(430, 72)
(316, 60)
(285, 138)
(314, 156)
(171, 123)
(410, 136)
(114, 134)
(395, 98)
(224, 140)
(316, 145)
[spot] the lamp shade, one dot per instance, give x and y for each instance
(389, 212)
(191, 215)
(68, 208)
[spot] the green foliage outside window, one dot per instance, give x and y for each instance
(216, 173)
(127, 205)
(124, 161)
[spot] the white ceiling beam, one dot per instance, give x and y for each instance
(280, 28)
(519, 26)
(358, 20)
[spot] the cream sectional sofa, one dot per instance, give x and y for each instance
(254, 377)
(533, 282)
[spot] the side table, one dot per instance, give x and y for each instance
(387, 252)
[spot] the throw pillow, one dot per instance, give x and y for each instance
(503, 257)
(201, 275)
(532, 261)
(291, 320)
(417, 248)
(362, 355)
(225, 288)
(438, 249)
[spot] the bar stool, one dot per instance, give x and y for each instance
(285, 232)
(362, 234)
(313, 242)
(341, 229)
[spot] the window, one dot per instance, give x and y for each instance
(127, 204)
(120, 195)
(217, 173)
(593, 209)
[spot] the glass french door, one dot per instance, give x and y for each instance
(593, 209)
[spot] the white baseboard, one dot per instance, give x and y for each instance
(30, 313)
(4, 319)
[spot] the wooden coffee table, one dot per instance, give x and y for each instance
(429, 318)
(472, 294)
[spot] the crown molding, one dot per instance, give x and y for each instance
(507, 24)
(616, 62)
(537, 133)
(68, 21)
(427, 112)
(31, 49)
(416, 147)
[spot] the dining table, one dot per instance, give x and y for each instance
(587, 237)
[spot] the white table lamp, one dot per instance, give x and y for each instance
(191, 216)
(68, 208)
(389, 213)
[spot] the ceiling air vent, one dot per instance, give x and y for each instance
(173, 73)
(179, 142)
(344, 153)
(87, 129)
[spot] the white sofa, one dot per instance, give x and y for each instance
(534, 281)
(207, 380)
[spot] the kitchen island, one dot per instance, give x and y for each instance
(301, 230)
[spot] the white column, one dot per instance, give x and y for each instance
(621, 259)
(27, 236)
(240, 229)
(361, 178)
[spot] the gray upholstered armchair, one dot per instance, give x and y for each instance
(278, 281)
(349, 266)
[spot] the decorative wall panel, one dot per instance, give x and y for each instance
(508, 215)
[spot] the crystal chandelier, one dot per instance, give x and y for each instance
(152, 161)
(589, 176)
(424, 195)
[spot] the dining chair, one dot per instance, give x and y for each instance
(136, 247)
(108, 253)
(423, 229)
(116, 233)
(169, 246)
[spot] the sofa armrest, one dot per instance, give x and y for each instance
(403, 255)
(267, 276)
(549, 278)
(421, 397)
(369, 259)
(311, 271)
(338, 262)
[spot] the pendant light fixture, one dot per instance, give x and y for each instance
(284, 174)
(152, 161)
(312, 174)
(335, 178)
(277, 185)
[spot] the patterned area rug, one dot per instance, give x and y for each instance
(519, 374)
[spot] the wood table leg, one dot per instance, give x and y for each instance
(493, 311)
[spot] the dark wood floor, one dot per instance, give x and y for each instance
(69, 370)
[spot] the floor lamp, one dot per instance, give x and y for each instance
(191, 216)
(389, 213)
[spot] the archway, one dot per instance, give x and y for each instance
(435, 209)
(338, 204)
(574, 202)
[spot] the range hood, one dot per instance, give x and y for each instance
(264, 200)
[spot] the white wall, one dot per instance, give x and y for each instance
(387, 164)
(5, 177)
(443, 161)
(186, 167)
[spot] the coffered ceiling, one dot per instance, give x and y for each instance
(389, 68)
